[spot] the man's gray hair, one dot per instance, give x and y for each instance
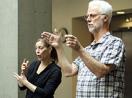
(104, 7)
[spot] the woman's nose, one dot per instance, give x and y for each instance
(37, 51)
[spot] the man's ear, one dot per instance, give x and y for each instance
(106, 18)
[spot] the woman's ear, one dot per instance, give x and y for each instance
(50, 49)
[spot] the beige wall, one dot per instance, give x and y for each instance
(62, 13)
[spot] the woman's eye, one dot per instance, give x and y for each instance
(41, 48)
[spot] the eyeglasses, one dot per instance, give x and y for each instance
(92, 16)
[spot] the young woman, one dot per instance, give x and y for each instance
(43, 76)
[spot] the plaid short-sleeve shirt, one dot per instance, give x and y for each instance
(108, 50)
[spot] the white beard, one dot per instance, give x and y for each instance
(92, 30)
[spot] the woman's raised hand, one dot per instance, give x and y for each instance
(24, 66)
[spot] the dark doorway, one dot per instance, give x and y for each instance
(121, 26)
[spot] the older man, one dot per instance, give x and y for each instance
(99, 66)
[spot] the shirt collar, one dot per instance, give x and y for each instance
(101, 40)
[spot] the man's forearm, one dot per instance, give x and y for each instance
(63, 61)
(95, 66)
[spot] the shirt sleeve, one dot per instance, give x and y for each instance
(79, 63)
(114, 53)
